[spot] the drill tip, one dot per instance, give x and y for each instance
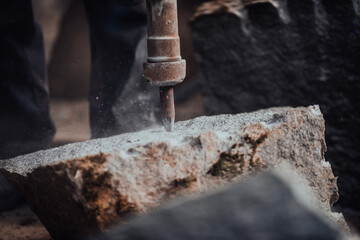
(167, 107)
(169, 124)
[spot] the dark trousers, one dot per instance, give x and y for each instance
(119, 99)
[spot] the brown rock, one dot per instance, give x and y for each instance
(82, 188)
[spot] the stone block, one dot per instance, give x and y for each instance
(82, 188)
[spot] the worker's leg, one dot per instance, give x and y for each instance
(117, 87)
(25, 125)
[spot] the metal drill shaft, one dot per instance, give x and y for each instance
(167, 107)
(164, 67)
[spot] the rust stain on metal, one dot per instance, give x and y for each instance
(165, 73)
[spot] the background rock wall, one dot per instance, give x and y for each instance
(288, 53)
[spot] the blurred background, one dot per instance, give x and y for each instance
(261, 56)
(67, 48)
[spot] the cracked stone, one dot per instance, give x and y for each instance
(79, 189)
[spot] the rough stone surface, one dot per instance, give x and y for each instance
(291, 53)
(82, 188)
(264, 207)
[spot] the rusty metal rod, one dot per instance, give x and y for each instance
(164, 66)
(167, 107)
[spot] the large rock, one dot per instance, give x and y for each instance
(82, 188)
(287, 53)
(265, 207)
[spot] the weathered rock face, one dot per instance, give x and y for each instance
(288, 53)
(257, 208)
(82, 188)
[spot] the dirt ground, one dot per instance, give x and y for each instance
(21, 224)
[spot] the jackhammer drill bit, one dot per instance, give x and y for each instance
(165, 67)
